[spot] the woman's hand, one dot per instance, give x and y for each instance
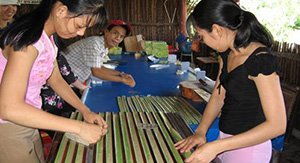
(83, 87)
(93, 118)
(204, 153)
(188, 143)
(91, 133)
(127, 79)
(78, 84)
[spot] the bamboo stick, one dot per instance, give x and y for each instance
(117, 139)
(131, 105)
(128, 149)
(109, 140)
(134, 138)
(100, 147)
(154, 146)
(160, 139)
(166, 128)
(143, 139)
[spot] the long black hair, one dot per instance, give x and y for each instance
(28, 28)
(228, 14)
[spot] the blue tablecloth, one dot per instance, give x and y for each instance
(163, 82)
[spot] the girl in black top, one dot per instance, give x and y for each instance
(247, 90)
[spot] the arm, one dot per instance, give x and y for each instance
(94, 52)
(65, 69)
(79, 85)
(14, 108)
(214, 105)
(113, 75)
(67, 73)
(110, 71)
(274, 110)
(61, 87)
(273, 107)
(211, 111)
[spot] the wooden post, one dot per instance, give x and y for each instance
(183, 18)
(121, 9)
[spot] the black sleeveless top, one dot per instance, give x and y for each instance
(242, 108)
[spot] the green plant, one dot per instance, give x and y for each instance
(282, 18)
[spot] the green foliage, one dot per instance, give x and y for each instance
(297, 23)
(281, 17)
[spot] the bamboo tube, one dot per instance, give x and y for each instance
(172, 132)
(160, 139)
(120, 104)
(154, 146)
(109, 140)
(128, 147)
(134, 138)
(186, 113)
(131, 105)
(100, 147)
(63, 148)
(143, 139)
(117, 139)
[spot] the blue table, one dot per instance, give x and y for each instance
(163, 82)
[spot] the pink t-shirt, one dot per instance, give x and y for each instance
(40, 71)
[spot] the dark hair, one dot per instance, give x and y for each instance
(27, 29)
(228, 14)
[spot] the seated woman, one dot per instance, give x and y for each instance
(8, 9)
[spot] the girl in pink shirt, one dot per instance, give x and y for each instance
(27, 61)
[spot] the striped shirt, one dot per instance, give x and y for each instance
(86, 54)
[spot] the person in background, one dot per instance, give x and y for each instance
(247, 91)
(184, 44)
(8, 9)
(27, 61)
(86, 56)
(52, 102)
